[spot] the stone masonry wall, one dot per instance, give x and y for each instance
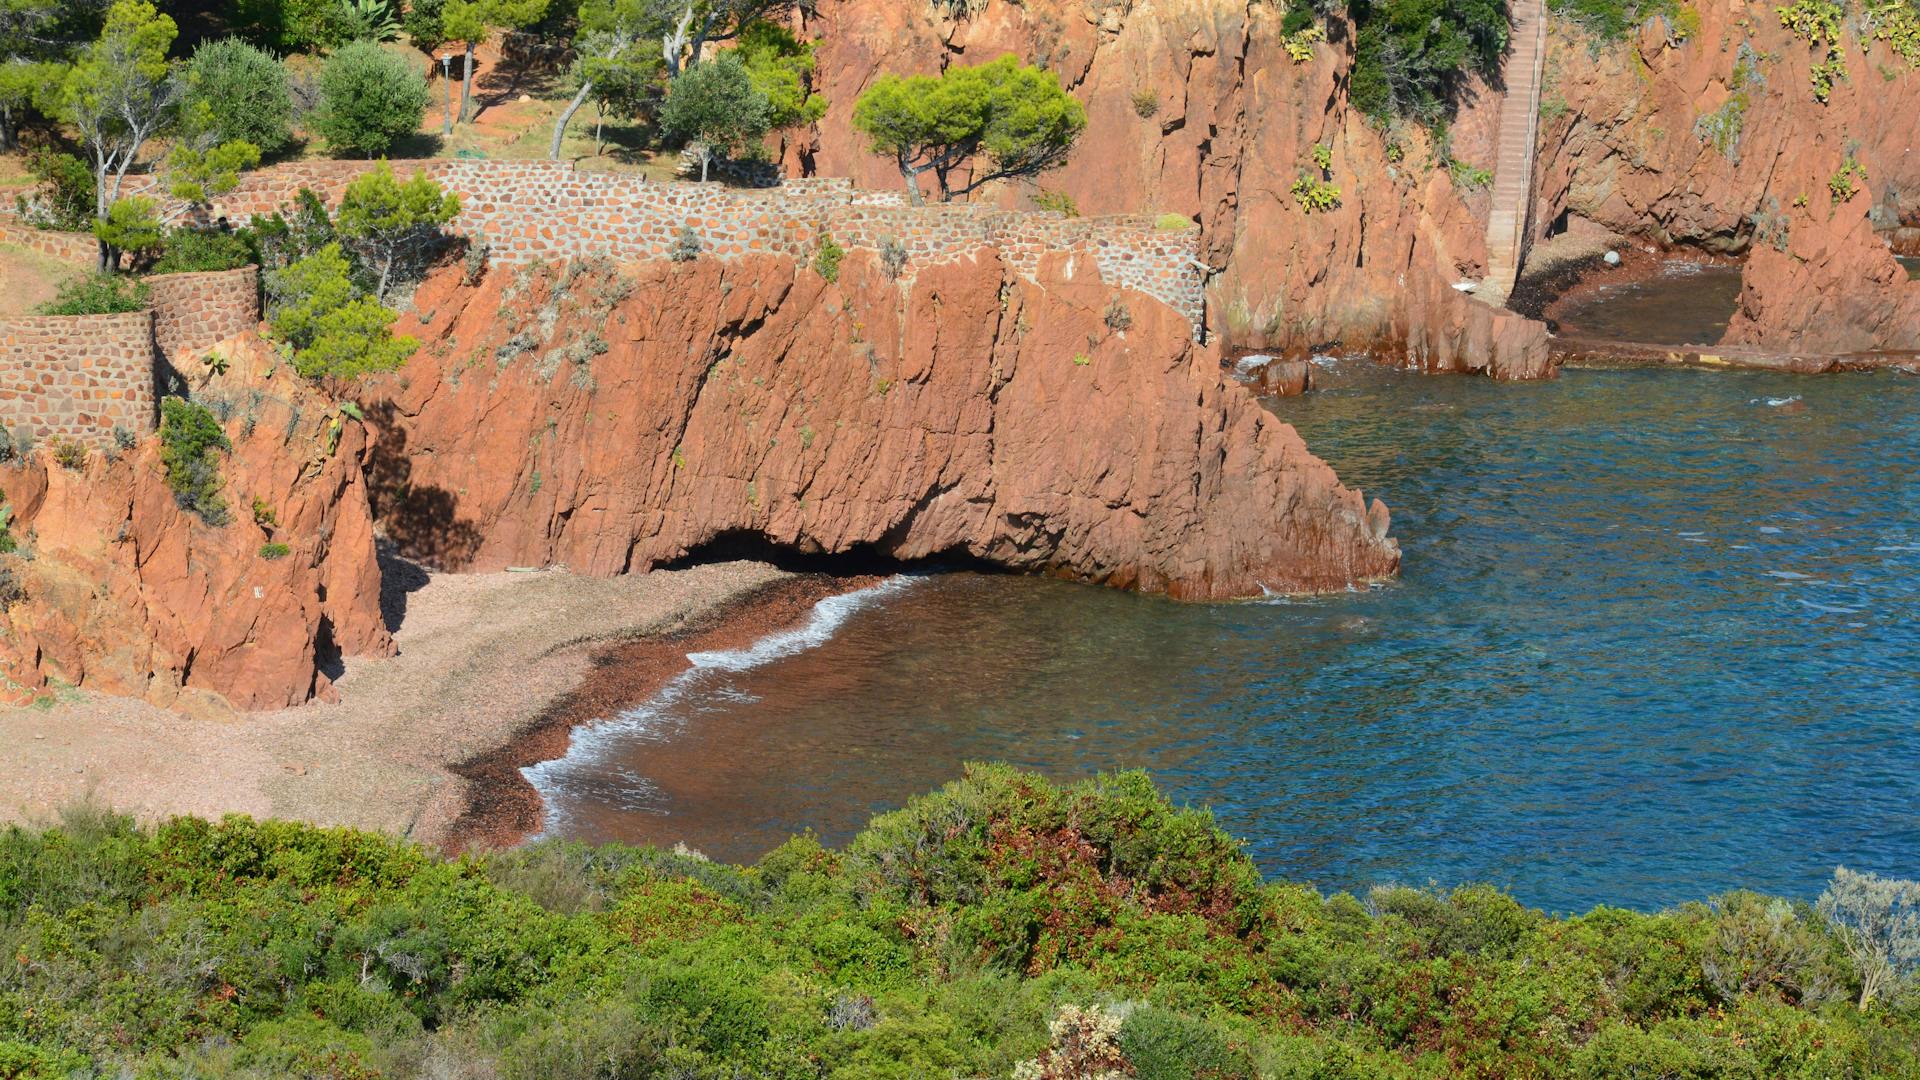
(77, 377)
(527, 210)
(73, 247)
(193, 312)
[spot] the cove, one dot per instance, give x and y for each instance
(1658, 636)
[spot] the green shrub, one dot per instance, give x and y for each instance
(65, 197)
(950, 938)
(132, 226)
(1146, 102)
(826, 258)
(1411, 57)
(190, 435)
(97, 294)
(1612, 20)
(1172, 222)
(336, 331)
(193, 251)
(8, 545)
(1058, 202)
(1468, 177)
(1315, 196)
(237, 91)
(274, 551)
(369, 99)
(1163, 1045)
(67, 453)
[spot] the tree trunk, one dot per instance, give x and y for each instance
(706, 160)
(599, 130)
(466, 87)
(566, 117)
(672, 44)
(9, 131)
(912, 177)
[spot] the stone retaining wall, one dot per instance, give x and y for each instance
(77, 377)
(528, 210)
(193, 312)
(74, 247)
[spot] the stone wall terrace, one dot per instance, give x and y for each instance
(193, 312)
(547, 210)
(77, 377)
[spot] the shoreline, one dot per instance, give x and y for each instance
(503, 808)
(493, 669)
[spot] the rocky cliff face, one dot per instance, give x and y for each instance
(612, 421)
(1196, 108)
(119, 589)
(1719, 141)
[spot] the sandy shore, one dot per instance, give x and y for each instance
(489, 667)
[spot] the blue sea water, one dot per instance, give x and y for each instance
(1657, 636)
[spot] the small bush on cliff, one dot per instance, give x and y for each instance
(190, 438)
(1612, 20)
(369, 99)
(97, 294)
(7, 543)
(827, 257)
(336, 332)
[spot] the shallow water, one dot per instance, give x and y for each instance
(1658, 635)
(1687, 304)
(1912, 263)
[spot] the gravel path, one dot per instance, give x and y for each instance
(481, 657)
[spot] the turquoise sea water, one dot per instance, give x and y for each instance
(1658, 635)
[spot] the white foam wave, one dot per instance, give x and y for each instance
(1774, 402)
(662, 715)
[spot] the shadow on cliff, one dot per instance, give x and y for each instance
(421, 522)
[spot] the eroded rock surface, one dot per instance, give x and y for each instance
(1195, 107)
(1719, 141)
(125, 592)
(610, 423)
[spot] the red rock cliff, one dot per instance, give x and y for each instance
(127, 593)
(1231, 122)
(1719, 141)
(612, 423)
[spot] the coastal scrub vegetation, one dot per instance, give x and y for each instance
(1003, 926)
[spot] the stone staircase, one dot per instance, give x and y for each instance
(1513, 163)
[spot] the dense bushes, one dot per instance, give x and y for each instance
(941, 942)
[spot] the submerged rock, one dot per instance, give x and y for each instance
(1274, 377)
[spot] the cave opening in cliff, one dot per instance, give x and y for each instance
(859, 560)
